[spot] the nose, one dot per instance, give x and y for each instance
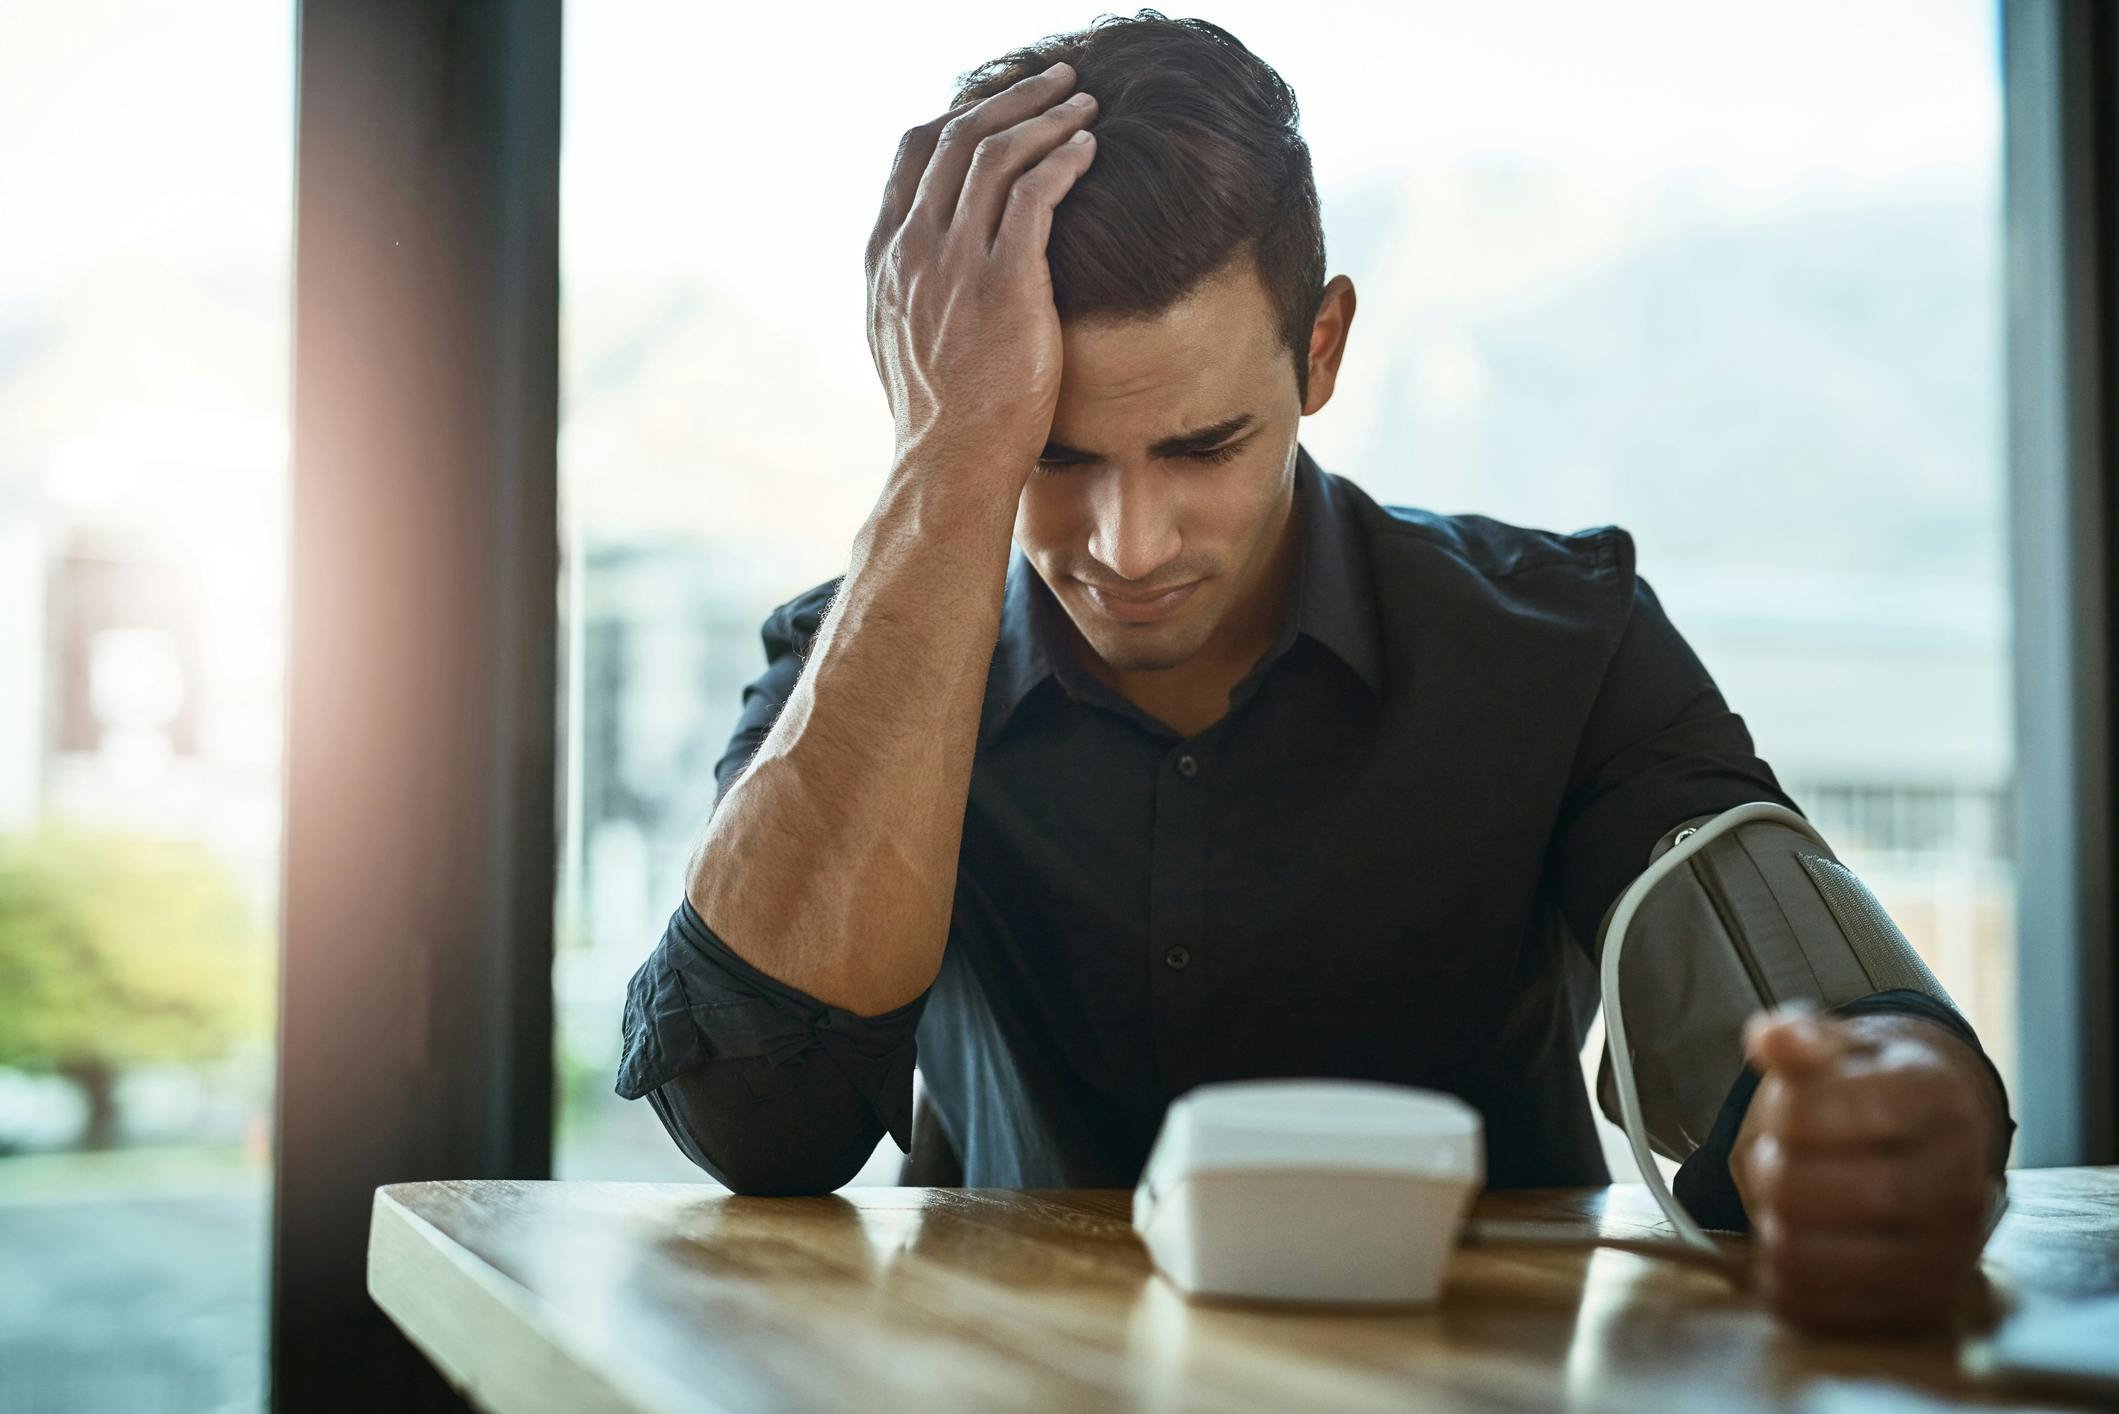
(1133, 530)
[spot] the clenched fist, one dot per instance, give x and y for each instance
(1869, 1166)
(961, 320)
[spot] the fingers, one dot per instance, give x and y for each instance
(1026, 218)
(1863, 1100)
(1843, 1111)
(1938, 1189)
(915, 149)
(934, 203)
(1002, 157)
(1865, 1168)
(1843, 1278)
(1794, 1038)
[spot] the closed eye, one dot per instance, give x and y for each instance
(1216, 455)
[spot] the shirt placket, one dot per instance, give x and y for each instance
(1180, 957)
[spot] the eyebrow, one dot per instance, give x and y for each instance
(1196, 440)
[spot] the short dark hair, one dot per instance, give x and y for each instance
(1198, 161)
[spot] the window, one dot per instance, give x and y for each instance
(145, 166)
(1727, 277)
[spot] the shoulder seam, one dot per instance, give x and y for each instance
(1604, 538)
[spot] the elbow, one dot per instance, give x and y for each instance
(771, 1150)
(786, 1175)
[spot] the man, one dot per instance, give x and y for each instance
(1231, 772)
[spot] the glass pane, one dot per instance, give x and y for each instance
(145, 166)
(1724, 275)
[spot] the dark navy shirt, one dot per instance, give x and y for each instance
(1389, 861)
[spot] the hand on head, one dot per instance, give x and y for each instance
(961, 320)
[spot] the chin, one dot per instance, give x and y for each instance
(1141, 652)
(1136, 659)
(1140, 648)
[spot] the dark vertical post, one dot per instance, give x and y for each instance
(415, 1008)
(2061, 84)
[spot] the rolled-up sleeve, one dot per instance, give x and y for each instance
(760, 1084)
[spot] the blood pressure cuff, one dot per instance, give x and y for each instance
(1762, 916)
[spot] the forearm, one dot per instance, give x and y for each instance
(831, 862)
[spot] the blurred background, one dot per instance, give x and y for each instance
(1727, 276)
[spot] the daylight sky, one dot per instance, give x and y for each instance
(129, 121)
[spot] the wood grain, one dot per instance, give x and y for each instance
(668, 1297)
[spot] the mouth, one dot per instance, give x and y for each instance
(1137, 609)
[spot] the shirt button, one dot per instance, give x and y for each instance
(1188, 767)
(1178, 957)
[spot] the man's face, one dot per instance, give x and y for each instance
(1131, 505)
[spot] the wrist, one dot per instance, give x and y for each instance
(955, 498)
(1740, 1150)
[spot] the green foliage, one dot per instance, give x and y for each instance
(116, 951)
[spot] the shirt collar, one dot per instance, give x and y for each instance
(1331, 600)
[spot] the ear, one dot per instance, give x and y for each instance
(1335, 315)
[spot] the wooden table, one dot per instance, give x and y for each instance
(587, 1296)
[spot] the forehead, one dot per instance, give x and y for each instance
(1214, 353)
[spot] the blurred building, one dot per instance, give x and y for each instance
(141, 642)
(140, 635)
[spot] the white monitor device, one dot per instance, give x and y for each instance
(1310, 1190)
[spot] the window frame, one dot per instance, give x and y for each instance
(420, 809)
(2060, 71)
